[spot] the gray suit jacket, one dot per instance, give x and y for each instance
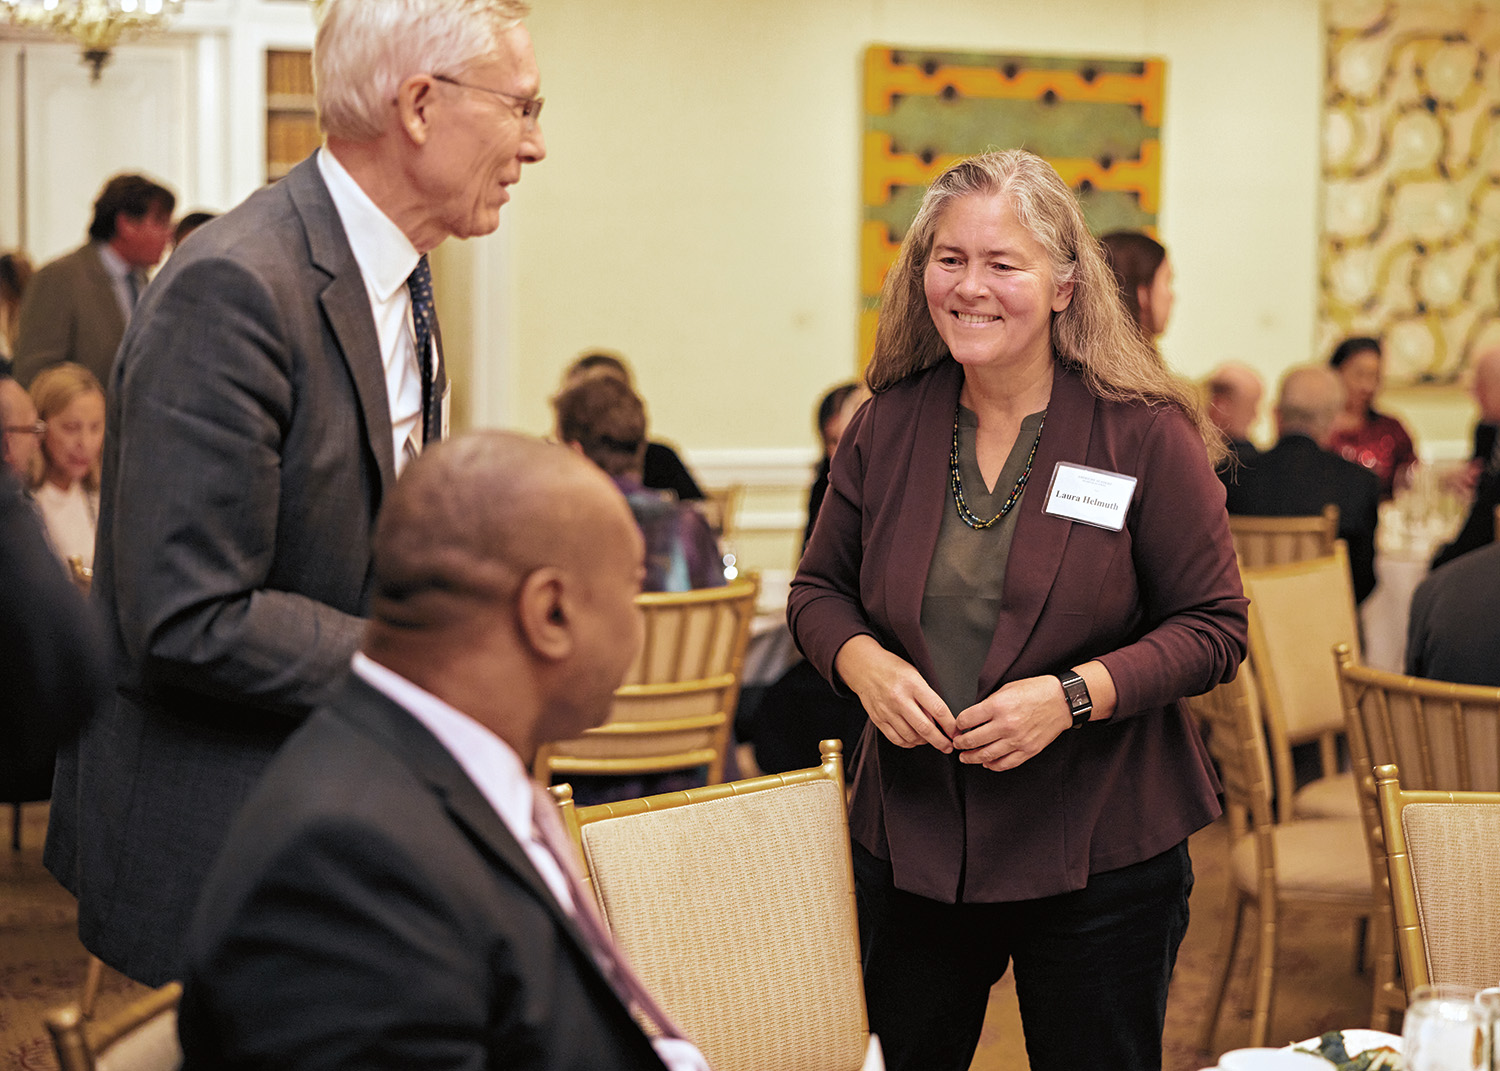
(371, 910)
(69, 313)
(248, 445)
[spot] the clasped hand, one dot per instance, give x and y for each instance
(1012, 724)
(999, 732)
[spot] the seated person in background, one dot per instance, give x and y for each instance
(605, 421)
(1363, 435)
(1234, 393)
(21, 436)
(15, 273)
(65, 476)
(787, 718)
(188, 224)
(834, 411)
(1483, 475)
(1144, 277)
(662, 469)
(1298, 477)
(1452, 634)
(393, 894)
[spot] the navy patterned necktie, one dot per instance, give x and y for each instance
(423, 317)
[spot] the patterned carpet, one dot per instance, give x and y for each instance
(42, 966)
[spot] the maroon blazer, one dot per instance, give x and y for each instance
(1158, 603)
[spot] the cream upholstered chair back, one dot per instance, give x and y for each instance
(1445, 880)
(1298, 613)
(141, 1037)
(675, 708)
(735, 904)
(1262, 541)
(1236, 739)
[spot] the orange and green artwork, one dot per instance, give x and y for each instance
(1098, 121)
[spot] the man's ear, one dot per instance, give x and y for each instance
(544, 613)
(414, 97)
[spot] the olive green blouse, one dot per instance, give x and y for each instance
(966, 578)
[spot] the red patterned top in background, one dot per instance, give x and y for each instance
(1381, 445)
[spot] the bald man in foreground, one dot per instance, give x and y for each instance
(383, 899)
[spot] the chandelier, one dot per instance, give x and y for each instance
(97, 25)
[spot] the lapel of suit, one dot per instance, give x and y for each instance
(400, 733)
(1036, 550)
(923, 486)
(346, 304)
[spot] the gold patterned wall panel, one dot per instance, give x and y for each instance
(1411, 183)
(1098, 121)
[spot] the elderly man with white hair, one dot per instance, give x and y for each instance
(275, 378)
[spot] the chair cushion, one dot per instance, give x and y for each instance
(1328, 797)
(1320, 858)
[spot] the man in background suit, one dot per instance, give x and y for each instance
(388, 896)
(1298, 477)
(1483, 474)
(1452, 634)
(280, 371)
(1234, 393)
(77, 306)
(22, 433)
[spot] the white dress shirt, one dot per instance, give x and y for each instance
(386, 258)
(502, 779)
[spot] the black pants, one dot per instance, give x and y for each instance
(1091, 967)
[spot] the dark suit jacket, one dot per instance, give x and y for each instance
(248, 445)
(69, 313)
(1158, 603)
(1453, 634)
(371, 910)
(1479, 527)
(52, 652)
(1296, 478)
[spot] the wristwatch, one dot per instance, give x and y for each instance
(1080, 704)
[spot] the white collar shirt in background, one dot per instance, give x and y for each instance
(386, 258)
(501, 777)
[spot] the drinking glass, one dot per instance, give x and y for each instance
(1446, 1029)
(1489, 1000)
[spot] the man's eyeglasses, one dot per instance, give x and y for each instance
(529, 108)
(39, 428)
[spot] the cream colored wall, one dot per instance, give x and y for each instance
(698, 209)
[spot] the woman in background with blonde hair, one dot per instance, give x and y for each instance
(1021, 567)
(65, 473)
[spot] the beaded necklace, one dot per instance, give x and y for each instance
(964, 513)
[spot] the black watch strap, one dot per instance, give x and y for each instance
(1080, 703)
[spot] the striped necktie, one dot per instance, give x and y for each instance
(424, 316)
(548, 831)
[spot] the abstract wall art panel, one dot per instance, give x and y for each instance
(1098, 121)
(1411, 183)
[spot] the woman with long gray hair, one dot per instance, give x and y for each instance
(1021, 567)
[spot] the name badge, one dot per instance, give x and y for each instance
(1090, 496)
(447, 407)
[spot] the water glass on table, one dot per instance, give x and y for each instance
(1447, 1028)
